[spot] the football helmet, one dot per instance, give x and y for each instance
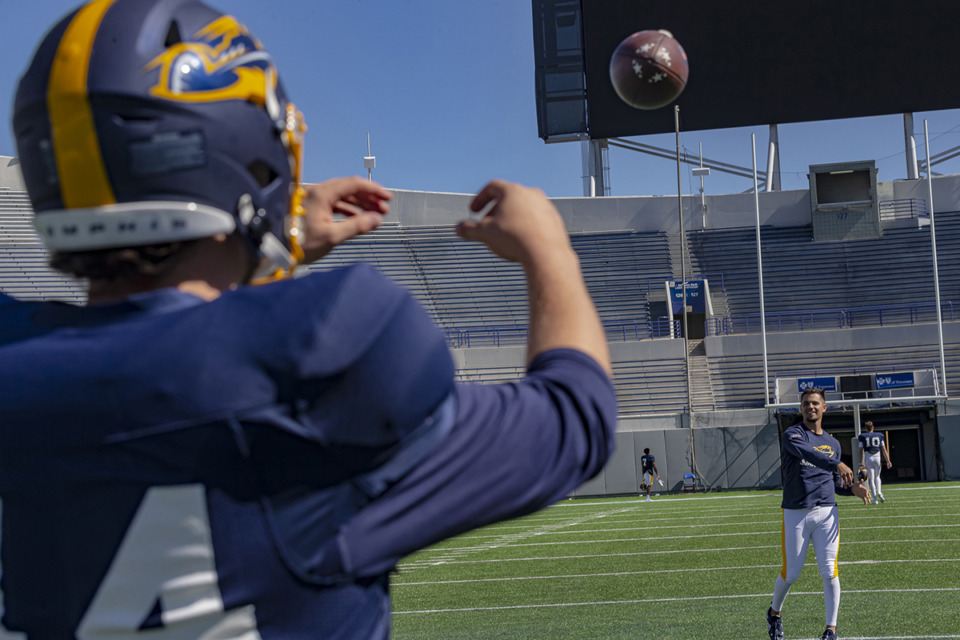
(862, 474)
(147, 121)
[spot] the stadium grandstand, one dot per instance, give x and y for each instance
(708, 386)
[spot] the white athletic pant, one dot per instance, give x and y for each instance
(820, 526)
(872, 462)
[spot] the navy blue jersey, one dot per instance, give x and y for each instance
(254, 466)
(808, 464)
(871, 442)
(646, 463)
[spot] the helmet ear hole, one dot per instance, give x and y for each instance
(173, 35)
(262, 172)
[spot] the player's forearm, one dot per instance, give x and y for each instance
(561, 311)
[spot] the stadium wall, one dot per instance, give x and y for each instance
(10, 176)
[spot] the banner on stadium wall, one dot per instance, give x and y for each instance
(825, 383)
(894, 380)
(696, 299)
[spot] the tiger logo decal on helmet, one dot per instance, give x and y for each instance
(222, 61)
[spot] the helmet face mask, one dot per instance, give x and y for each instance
(146, 121)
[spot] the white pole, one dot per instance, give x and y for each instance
(936, 274)
(703, 200)
(683, 291)
(763, 314)
(683, 259)
(369, 169)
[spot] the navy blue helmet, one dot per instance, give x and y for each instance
(148, 121)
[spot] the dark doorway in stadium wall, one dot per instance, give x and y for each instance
(905, 444)
(696, 326)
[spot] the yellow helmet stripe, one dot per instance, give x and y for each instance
(83, 177)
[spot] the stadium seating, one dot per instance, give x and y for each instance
(480, 301)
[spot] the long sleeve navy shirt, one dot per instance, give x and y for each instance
(808, 463)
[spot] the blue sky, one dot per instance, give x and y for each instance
(446, 91)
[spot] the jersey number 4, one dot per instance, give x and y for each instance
(163, 576)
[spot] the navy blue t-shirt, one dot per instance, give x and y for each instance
(257, 464)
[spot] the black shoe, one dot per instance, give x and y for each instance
(775, 626)
(828, 635)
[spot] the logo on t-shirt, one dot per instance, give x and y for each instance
(825, 449)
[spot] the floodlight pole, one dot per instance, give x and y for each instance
(700, 172)
(763, 314)
(683, 292)
(369, 161)
(936, 275)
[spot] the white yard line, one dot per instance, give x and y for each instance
(636, 553)
(397, 583)
(686, 599)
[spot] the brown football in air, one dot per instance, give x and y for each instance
(649, 69)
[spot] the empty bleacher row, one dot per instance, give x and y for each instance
(23, 260)
(465, 287)
(858, 279)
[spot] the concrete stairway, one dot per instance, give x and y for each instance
(701, 388)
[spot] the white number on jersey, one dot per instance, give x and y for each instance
(165, 558)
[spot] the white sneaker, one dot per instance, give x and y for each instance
(648, 498)
(880, 497)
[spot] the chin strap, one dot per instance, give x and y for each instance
(283, 261)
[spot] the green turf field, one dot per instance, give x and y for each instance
(684, 567)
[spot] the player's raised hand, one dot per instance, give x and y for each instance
(522, 225)
(362, 202)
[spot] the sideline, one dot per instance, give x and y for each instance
(772, 493)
